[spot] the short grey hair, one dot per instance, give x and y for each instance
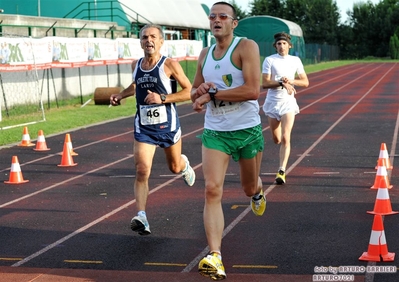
(155, 26)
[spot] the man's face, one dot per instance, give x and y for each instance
(151, 41)
(221, 20)
(282, 47)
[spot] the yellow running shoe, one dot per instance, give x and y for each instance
(211, 266)
(280, 177)
(259, 206)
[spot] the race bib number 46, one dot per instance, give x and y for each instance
(153, 114)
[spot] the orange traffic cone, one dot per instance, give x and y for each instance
(15, 174)
(378, 249)
(385, 157)
(41, 142)
(69, 142)
(66, 159)
(382, 204)
(26, 139)
(381, 174)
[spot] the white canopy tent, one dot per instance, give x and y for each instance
(176, 13)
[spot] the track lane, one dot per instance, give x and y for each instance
(237, 195)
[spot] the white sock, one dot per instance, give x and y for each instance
(219, 254)
(185, 169)
(142, 214)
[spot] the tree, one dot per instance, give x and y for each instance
(317, 18)
(373, 26)
(241, 14)
(394, 47)
(272, 8)
(386, 21)
(294, 13)
(347, 46)
(367, 32)
(362, 19)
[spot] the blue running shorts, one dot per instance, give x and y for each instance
(163, 140)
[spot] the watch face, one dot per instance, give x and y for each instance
(163, 98)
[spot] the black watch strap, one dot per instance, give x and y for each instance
(212, 92)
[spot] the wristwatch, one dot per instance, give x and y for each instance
(212, 92)
(281, 84)
(163, 98)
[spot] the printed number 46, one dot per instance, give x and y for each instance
(152, 113)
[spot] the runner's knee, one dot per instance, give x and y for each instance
(142, 172)
(213, 192)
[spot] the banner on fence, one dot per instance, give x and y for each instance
(23, 54)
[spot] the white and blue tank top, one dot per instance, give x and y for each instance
(154, 118)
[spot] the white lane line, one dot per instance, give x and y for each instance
(196, 260)
(394, 140)
(80, 175)
(92, 143)
(91, 224)
(75, 148)
(62, 182)
(227, 229)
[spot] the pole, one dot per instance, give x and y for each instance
(95, 9)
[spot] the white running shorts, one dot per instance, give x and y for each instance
(278, 109)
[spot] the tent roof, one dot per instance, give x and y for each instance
(294, 29)
(261, 29)
(176, 13)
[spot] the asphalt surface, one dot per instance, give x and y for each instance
(72, 223)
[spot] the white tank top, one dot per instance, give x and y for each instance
(227, 116)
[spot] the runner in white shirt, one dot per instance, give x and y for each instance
(227, 86)
(279, 76)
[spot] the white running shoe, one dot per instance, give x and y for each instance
(189, 173)
(140, 225)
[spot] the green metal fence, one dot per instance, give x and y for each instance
(314, 53)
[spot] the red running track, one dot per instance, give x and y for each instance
(72, 224)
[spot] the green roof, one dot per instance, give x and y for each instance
(262, 28)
